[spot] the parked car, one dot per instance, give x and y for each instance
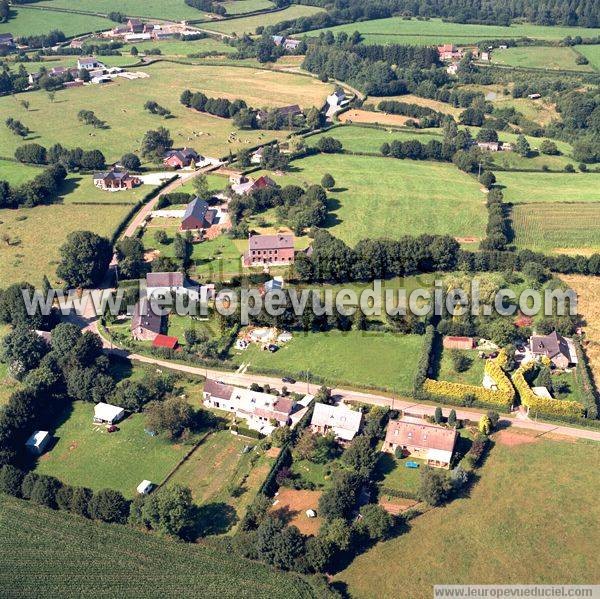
(273, 348)
(111, 429)
(289, 380)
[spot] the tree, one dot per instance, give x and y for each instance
(131, 162)
(31, 153)
(109, 506)
(460, 361)
(133, 51)
(281, 436)
(434, 486)
(328, 182)
(22, 349)
(487, 179)
(44, 491)
(156, 143)
(452, 417)
(11, 479)
(437, 415)
(522, 146)
(494, 417)
(340, 499)
(27, 485)
(323, 395)
(485, 425)
(338, 532)
(319, 553)
(535, 271)
(80, 501)
(172, 416)
(169, 510)
(64, 498)
(85, 257)
(329, 145)
(548, 147)
(376, 522)
(360, 456)
(200, 184)
(13, 309)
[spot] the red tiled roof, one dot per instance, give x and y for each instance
(424, 435)
(165, 341)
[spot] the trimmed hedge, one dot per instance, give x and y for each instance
(424, 359)
(543, 405)
(585, 379)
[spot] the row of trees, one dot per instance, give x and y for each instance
(42, 189)
(427, 116)
(72, 160)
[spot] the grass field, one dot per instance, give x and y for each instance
(16, 173)
(240, 7)
(249, 24)
(383, 197)
(86, 455)
(182, 47)
(540, 57)
(29, 21)
(121, 102)
(550, 187)
(60, 553)
(218, 465)
(592, 53)
(158, 9)
(472, 376)
(524, 500)
(396, 30)
(556, 226)
(358, 358)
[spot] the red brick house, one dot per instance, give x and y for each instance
(181, 158)
(275, 250)
(115, 180)
(135, 26)
(198, 215)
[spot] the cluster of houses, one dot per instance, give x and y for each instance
(449, 53)
(136, 30)
(242, 185)
(287, 43)
(495, 146)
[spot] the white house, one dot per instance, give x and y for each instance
(341, 420)
(89, 63)
(161, 284)
(145, 487)
(105, 413)
(38, 442)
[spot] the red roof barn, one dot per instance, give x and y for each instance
(165, 341)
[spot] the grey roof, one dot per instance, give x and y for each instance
(6, 37)
(217, 389)
(550, 345)
(164, 279)
(115, 175)
(144, 317)
(271, 242)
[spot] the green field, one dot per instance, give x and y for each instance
(540, 57)
(16, 173)
(550, 187)
(384, 197)
(30, 21)
(393, 474)
(67, 556)
(239, 7)
(396, 30)
(472, 376)
(181, 47)
(158, 9)
(121, 102)
(86, 455)
(592, 53)
(249, 24)
(360, 358)
(494, 535)
(556, 226)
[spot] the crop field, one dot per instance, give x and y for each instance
(249, 24)
(592, 53)
(31, 21)
(86, 455)
(157, 9)
(121, 102)
(358, 358)
(373, 198)
(60, 553)
(396, 30)
(16, 173)
(556, 226)
(511, 511)
(35, 235)
(540, 57)
(550, 187)
(218, 466)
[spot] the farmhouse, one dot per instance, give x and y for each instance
(418, 438)
(337, 98)
(198, 215)
(145, 487)
(458, 342)
(145, 323)
(271, 250)
(182, 158)
(341, 420)
(115, 180)
(135, 25)
(557, 348)
(257, 155)
(105, 413)
(248, 186)
(288, 112)
(490, 146)
(262, 412)
(165, 342)
(449, 52)
(89, 63)
(162, 284)
(38, 442)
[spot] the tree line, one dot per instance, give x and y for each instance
(42, 189)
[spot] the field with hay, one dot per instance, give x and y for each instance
(549, 187)
(540, 57)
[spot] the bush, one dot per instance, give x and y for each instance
(11, 479)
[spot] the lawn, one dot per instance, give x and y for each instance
(359, 358)
(592, 53)
(317, 474)
(64, 554)
(31, 21)
(549, 187)
(249, 24)
(557, 226)
(385, 197)
(121, 102)
(177, 326)
(540, 57)
(217, 466)
(37, 233)
(158, 9)
(472, 376)
(530, 495)
(392, 473)
(16, 173)
(396, 30)
(86, 455)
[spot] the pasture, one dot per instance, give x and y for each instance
(549, 187)
(385, 197)
(396, 30)
(240, 7)
(86, 455)
(524, 484)
(121, 102)
(540, 57)
(592, 53)
(32, 21)
(237, 27)
(556, 226)
(358, 358)
(16, 173)
(59, 553)
(181, 47)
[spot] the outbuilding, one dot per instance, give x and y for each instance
(145, 487)
(38, 442)
(105, 413)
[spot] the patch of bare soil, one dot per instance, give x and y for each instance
(512, 439)
(293, 504)
(396, 505)
(366, 116)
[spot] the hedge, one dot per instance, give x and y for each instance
(585, 379)
(542, 405)
(424, 359)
